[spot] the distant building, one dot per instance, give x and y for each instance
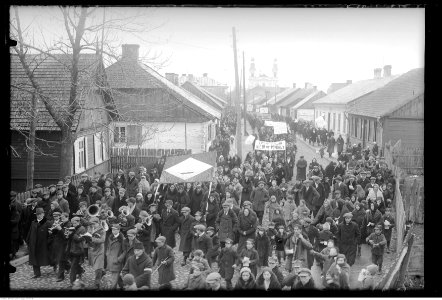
(209, 84)
(258, 94)
(262, 79)
(304, 109)
(392, 112)
(334, 106)
(336, 86)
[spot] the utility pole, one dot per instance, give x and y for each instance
(244, 88)
(238, 99)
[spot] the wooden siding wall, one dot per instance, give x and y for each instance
(409, 131)
(46, 167)
(413, 109)
(91, 119)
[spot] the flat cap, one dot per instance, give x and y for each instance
(161, 239)
(55, 212)
(132, 231)
(39, 210)
(338, 178)
(247, 203)
(348, 215)
(60, 182)
(226, 204)
(210, 228)
(198, 213)
(52, 185)
(143, 213)
(261, 182)
(304, 271)
(116, 226)
(138, 246)
(200, 227)
(372, 178)
(131, 199)
(185, 209)
(170, 202)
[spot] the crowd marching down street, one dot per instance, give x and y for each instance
(268, 212)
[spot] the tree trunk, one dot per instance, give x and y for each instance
(31, 150)
(67, 146)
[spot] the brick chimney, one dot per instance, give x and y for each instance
(377, 73)
(387, 70)
(172, 77)
(294, 85)
(130, 52)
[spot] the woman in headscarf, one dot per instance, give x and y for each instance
(246, 228)
(246, 280)
(358, 217)
(267, 281)
(372, 218)
(360, 193)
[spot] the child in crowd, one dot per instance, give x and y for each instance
(271, 206)
(249, 257)
(388, 226)
(377, 241)
(226, 261)
(262, 243)
(280, 239)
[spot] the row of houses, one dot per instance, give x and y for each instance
(381, 109)
(133, 107)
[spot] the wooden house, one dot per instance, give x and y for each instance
(304, 109)
(282, 102)
(392, 112)
(90, 125)
(334, 106)
(155, 113)
(205, 95)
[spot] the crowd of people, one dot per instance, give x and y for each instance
(127, 225)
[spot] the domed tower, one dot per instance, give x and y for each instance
(252, 68)
(275, 68)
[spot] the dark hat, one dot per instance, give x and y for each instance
(138, 246)
(128, 279)
(153, 204)
(308, 220)
(372, 178)
(226, 204)
(250, 241)
(329, 219)
(348, 215)
(304, 271)
(39, 210)
(247, 203)
(210, 228)
(338, 178)
(132, 231)
(170, 202)
(52, 185)
(198, 213)
(59, 192)
(80, 187)
(200, 227)
(56, 212)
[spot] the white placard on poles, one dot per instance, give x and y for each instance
(269, 146)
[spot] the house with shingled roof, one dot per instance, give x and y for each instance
(204, 95)
(334, 106)
(90, 122)
(304, 109)
(154, 113)
(392, 112)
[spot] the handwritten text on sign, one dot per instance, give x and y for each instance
(269, 146)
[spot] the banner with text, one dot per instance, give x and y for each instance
(278, 127)
(269, 146)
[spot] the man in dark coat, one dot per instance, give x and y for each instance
(75, 248)
(37, 241)
(203, 241)
(120, 178)
(186, 235)
(119, 201)
(94, 195)
(15, 229)
(363, 180)
(86, 183)
(339, 185)
(340, 145)
(59, 245)
(226, 260)
(331, 146)
(210, 209)
(132, 185)
(259, 197)
(214, 251)
(309, 194)
(170, 221)
(301, 169)
(226, 223)
(182, 199)
(348, 236)
(317, 202)
(164, 257)
(196, 199)
(140, 266)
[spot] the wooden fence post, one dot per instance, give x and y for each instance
(404, 265)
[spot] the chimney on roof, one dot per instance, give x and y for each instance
(377, 73)
(172, 77)
(349, 81)
(308, 85)
(190, 77)
(294, 85)
(387, 70)
(130, 52)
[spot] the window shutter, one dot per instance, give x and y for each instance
(130, 135)
(76, 158)
(139, 135)
(86, 159)
(97, 148)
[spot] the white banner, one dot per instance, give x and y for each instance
(278, 127)
(269, 146)
(264, 110)
(249, 107)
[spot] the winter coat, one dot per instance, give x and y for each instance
(186, 233)
(253, 256)
(258, 198)
(246, 190)
(195, 283)
(271, 207)
(340, 279)
(37, 241)
(387, 232)
(340, 144)
(331, 145)
(343, 188)
(169, 225)
(275, 191)
(129, 248)
(301, 166)
(115, 253)
(280, 240)
(166, 272)
(322, 240)
(136, 267)
(214, 250)
(96, 249)
(132, 187)
(318, 201)
(309, 286)
(59, 243)
(183, 200)
(249, 285)
(196, 199)
(278, 220)
(262, 244)
(204, 243)
(94, 197)
(274, 283)
(248, 225)
(212, 211)
(226, 225)
(377, 239)
(348, 234)
(301, 248)
(287, 208)
(374, 218)
(64, 205)
(118, 202)
(226, 259)
(310, 196)
(76, 242)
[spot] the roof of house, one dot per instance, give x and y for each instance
(204, 95)
(390, 97)
(306, 103)
(336, 86)
(126, 74)
(54, 78)
(354, 90)
(252, 93)
(293, 99)
(278, 97)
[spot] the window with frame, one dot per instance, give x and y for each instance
(120, 134)
(99, 147)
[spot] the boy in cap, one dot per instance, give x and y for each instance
(306, 281)
(164, 257)
(377, 241)
(140, 266)
(96, 250)
(213, 251)
(186, 236)
(338, 275)
(198, 257)
(280, 239)
(367, 277)
(170, 222)
(262, 243)
(388, 226)
(249, 257)
(129, 283)
(75, 249)
(63, 203)
(292, 278)
(226, 262)
(203, 241)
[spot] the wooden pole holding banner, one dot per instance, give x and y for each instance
(208, 195)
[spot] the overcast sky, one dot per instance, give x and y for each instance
(317, 45)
